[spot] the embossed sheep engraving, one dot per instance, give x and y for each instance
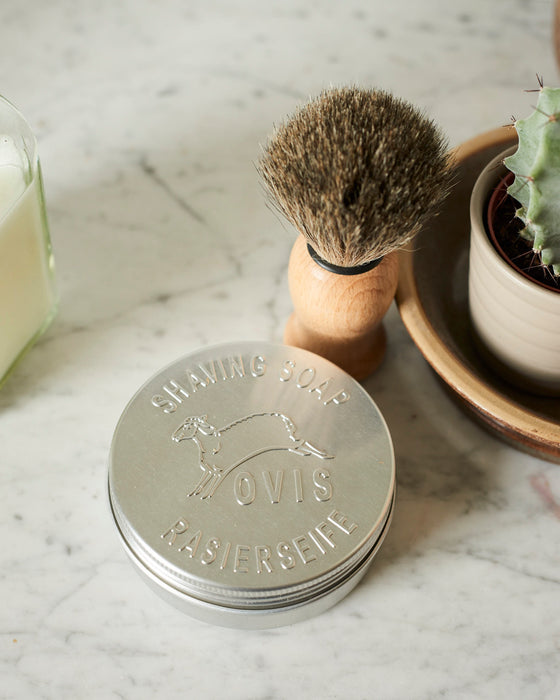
(221, 450)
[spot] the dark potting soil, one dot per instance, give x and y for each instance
(515, 249)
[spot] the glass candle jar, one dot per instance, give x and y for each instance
(28, 297)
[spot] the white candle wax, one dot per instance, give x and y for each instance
(27, 297)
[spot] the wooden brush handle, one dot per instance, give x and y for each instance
(338, 316)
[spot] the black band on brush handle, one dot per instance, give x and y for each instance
(340, 269)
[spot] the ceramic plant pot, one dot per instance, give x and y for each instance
(516, 321)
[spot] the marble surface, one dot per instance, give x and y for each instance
(149, 117)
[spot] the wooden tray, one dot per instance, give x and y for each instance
(432, 300)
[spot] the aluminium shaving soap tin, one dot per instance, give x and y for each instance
(252, 484)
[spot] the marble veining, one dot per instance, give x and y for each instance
(149, 118)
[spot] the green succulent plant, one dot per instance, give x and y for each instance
(536, 166)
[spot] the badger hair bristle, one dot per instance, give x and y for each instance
(357, 172)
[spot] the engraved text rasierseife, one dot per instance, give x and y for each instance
(242, 558)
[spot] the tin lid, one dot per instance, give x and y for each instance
(252, 483)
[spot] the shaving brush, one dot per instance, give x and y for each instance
(357, 172)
